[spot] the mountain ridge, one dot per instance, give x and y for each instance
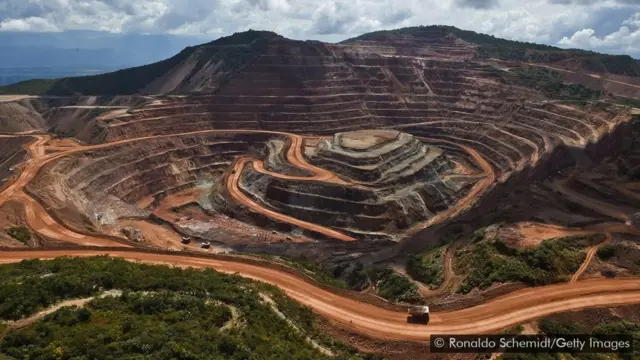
(205, 68)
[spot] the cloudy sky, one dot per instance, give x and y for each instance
(611, 26)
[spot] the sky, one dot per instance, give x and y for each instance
(610, 26)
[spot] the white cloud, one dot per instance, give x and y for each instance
(32, 23)
(331, 20)
(625, 40)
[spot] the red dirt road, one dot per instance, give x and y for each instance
(488, 178)
(234, 190)
(38, 159)
(37, 217)
(517, 307)
(592, 251)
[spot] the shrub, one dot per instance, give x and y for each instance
(606, 252)
(428, 268)
(394, 287)
(21, 234)
(550, 84)
(514, 330)
(492, 261)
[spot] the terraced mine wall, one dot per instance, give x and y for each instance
(110, 181)
(525, 195)
(12, 154)
(391, 195)
(307, 89)
(71, 116)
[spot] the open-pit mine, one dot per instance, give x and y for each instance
(356, 155)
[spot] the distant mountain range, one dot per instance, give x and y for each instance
(25, 56)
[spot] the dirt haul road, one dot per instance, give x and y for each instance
(238, 195)
(590, 253)
(38, 159)
(515, 308)
(488, 177)
(37, 217)
(294, 156)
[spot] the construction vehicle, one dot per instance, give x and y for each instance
(206, 245)
(186, 239)
(418, 314)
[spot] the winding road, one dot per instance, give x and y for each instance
(238, 195)
(515, 308)
(502, 312)
(590, 253)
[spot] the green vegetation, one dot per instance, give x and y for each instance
(245, 37)
(428, 268)
(395, 287)
(606, 252)
(492, 261)
(31, 87)
(444, 30)
(550, 84)
(631, 102)
(615, 64)
(21, 234)
(231, 52)
(121, 82)
(163, 313)
(62, 133)
(318, 271)
(550, 326)
(478, 235)
(514, 330)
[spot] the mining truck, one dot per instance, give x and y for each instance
(418, 314)
(186, 239)
(206, 245)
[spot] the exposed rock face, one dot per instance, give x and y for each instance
(133, 234)
(388, 182)
(635, 220)
(12, 154)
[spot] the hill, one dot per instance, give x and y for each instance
(489, 46)
(205, 68)
(184, 72)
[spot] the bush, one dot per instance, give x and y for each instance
(554, 327)
(318, 271)
(550, 84)
(606, 252)
(394, 287)
(492, 261)
(21, 234)
(514, 330)
(428, 268)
